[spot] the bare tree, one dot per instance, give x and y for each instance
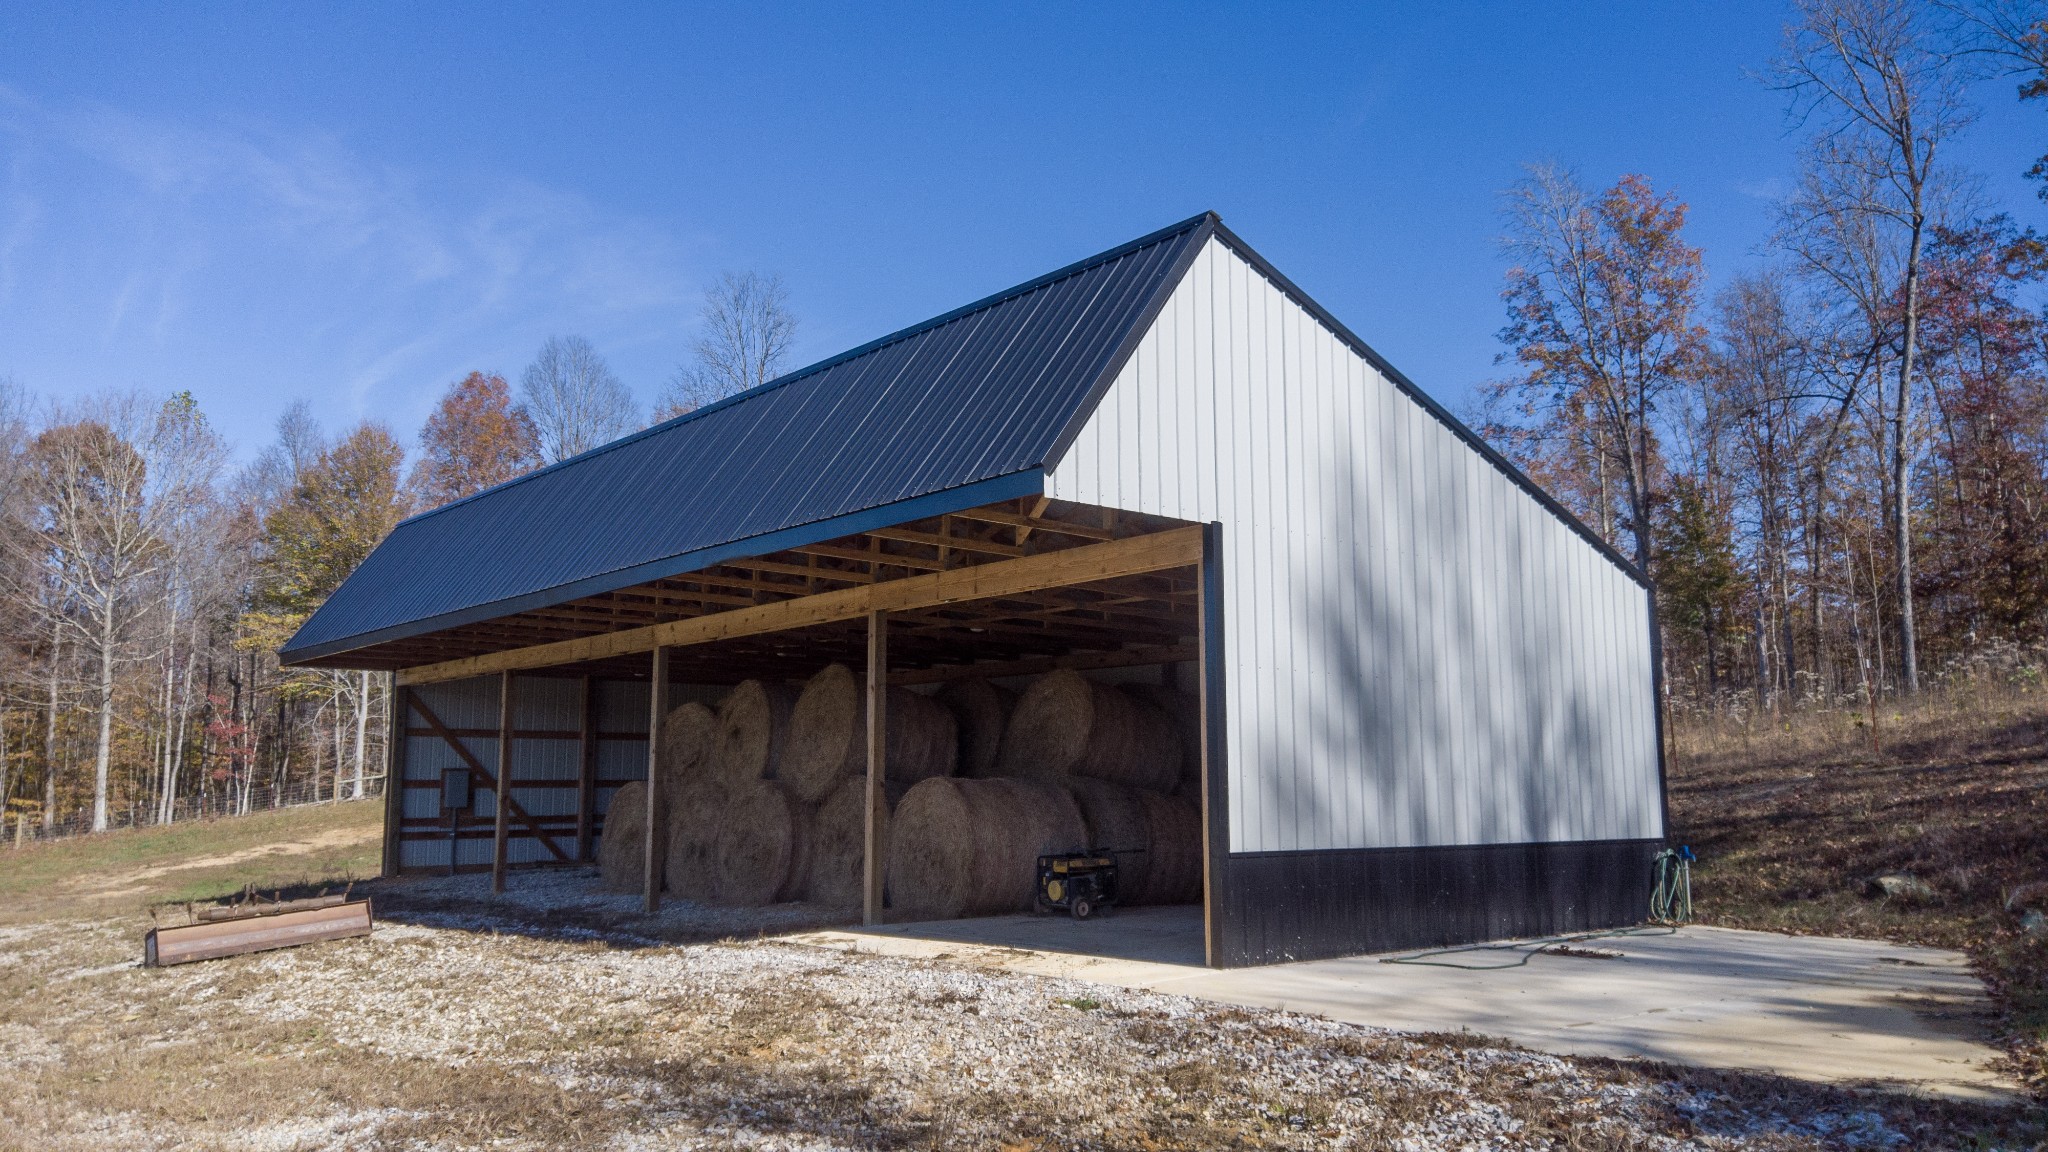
(575, 401)
(747, 334)
(2008, 38)
(1878, 80)
(185, 458)
(88, 482)
(1600, 307)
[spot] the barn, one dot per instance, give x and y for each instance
(1419, 700)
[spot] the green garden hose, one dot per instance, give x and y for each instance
(1671, 895)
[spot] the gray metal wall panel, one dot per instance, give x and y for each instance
(1419, 653)
(621, 760)
(622, 706)
(549, 703)
(471, 703)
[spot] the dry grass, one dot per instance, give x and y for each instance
(424, 1037)
(491, 1024)
(1793, 817)
(129, 869)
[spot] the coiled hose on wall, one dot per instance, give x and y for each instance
(1671, 892)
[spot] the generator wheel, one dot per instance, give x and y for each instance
(1082, 907)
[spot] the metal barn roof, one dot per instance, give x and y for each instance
(961, 410)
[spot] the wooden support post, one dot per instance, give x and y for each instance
(586, 780)
(657, 834)
(1215, 781)
(878, 745)
(501, 796)
(395, 699)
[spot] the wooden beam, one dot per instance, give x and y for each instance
(657, 833)
(394, 775)
(501, 796)
(586, 777)
(878, 747)
(1019, 520)
(1131, 556)
(1215, 783)
(1038, 665)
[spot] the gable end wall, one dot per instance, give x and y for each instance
(1417, 652)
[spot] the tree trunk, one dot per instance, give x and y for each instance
(103, 752)
(1902, 536)
(50, 734)
(362, 732)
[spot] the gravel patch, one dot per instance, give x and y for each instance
(493, 1033)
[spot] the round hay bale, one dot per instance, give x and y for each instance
(753, 724)
(1118, 820)
(757, 838)
(1016, 822)
(688, 734)
(1175, 874)
(1185, 710)
(622, 848)
(932, 851)
(980, 710)
(923, 739)
(827, 734)
(837, 867)
(696, 811)
(1066, 724)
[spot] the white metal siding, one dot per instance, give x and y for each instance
(1417, 652)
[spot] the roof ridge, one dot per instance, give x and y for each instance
(875, 345)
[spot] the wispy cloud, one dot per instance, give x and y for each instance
(255, 265)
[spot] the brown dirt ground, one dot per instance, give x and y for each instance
(1793, 818)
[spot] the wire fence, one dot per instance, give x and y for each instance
(24, 825)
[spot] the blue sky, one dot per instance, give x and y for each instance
(355, 205)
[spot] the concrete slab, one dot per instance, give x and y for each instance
(1818, 1008)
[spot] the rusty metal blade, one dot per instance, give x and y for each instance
(206, 941)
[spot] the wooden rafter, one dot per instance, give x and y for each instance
(1129, 556)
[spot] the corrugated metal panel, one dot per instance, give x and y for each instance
(1419, 652)
(974, 396)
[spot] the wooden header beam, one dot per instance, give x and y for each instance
(1131, 556)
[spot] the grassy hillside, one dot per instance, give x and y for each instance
(127, 870)
(1794, 819)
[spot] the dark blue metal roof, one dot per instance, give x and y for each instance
(961, 410)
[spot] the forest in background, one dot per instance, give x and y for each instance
(146, 584)
(1835, 469)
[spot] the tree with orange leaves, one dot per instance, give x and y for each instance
(1600, 323)
(476, 437)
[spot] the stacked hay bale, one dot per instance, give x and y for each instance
(1185, 711)
(970, 847)
(1072, 750)
(1156, 838)
(695, 798)
(828, 736)
(761, 853)
(981, 710)
(753, 726)
(839, 841)
(1068, 725)
(622, 849)
(767, 796)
